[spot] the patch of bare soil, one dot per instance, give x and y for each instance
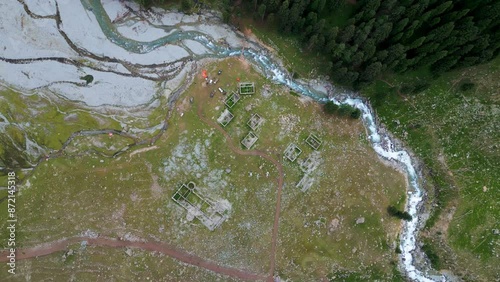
(183, 106)
(156, 189)
(250, 35)
(143, 150)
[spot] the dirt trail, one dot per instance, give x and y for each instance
(61, 245)
(278, 165)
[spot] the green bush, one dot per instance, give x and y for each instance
(420, 86)
(467, 86)
(356, 113)
(431, 255)
(344, 110)
(88, 78)
(407, 89)
(186, 6)
(331, 108)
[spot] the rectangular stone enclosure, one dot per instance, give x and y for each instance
(208, 212)
(305, 183)
(255, 121)
(249, 140)
(225, 117)
(313, 141)
(311, 163)
(292, 152)
(232, 100)
(247, 88)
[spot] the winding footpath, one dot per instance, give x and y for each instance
(61, 245)
(171, 251)
(277, 164)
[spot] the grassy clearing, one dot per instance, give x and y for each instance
(350, 183)
(455, 133)
(129, 196)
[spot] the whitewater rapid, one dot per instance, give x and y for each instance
(408, 240)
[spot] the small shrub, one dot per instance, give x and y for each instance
(420, 87)
(186, 6)
(432, 256)
(331, 108)
(467, 86)
(344, 110)
(356, 113)
(88, 78)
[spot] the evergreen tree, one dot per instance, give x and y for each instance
(372, 71)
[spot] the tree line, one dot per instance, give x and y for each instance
(390, 35)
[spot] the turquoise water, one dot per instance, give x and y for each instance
(258, 57)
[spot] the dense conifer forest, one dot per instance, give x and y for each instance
(391, 35)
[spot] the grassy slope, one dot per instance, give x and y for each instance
(456, 136)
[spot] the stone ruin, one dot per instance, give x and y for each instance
(311, 163)
(232, 100)
(225, 117)
(255, 121)
(313, 141)
(246, 88)
(292, 152)
(305, 183)
(210, 213)
(249, 140)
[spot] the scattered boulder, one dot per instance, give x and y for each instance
(360, 220)
(334, 225)
(68, 254)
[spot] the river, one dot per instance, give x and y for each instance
(270, 66)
